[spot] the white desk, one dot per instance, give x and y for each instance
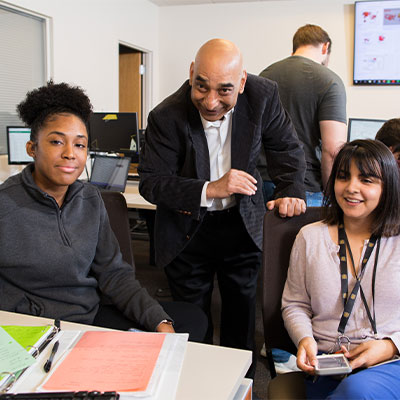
(134, 199)
(209, 372)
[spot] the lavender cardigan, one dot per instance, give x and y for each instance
(311, 301)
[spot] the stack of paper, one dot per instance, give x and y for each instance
(19, 345)
(134, 364)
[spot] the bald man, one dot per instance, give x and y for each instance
(198, 165)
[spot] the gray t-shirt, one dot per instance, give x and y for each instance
(310, 93)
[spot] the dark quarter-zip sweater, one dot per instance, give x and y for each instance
(54, 261)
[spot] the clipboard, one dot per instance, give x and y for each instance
(34, 339)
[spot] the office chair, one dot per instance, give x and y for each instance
(117, 211)
(118, 215)
(279, 235)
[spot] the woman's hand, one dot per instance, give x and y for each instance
(165, 328)
(307, 355)
(370, 353)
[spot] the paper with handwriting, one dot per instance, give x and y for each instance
(13, 357)
(105, 361)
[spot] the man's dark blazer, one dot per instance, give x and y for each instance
(175, 164)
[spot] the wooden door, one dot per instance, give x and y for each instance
(130, 83)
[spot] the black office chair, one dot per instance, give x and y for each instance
(118, 215)
(279, 235)
(117, 211)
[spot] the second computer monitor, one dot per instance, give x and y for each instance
(363, 128)
(17, 137)
(114, 133)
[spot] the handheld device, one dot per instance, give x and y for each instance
(332, 364)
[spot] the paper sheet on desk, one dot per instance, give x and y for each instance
(35, 374)
(163, 383)
(13, 357)
(28, 336)
(103, 361)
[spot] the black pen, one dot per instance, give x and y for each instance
(47, 366)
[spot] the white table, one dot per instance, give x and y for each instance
(134, 199)
(208, 372)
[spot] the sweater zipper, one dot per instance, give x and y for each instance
(64, 236)
(61, 229)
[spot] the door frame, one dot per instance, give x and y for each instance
(147, 92)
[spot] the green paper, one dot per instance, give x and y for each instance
(26, 336)
(13, 357)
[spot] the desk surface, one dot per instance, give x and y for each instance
(208, 372)
(134, 199)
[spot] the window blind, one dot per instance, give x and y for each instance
(22, 63)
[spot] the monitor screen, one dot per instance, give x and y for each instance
(17, 136)
(114, 133)
(376, 43)
(110, 173)
(362, 128)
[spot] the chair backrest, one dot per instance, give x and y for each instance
(118, 215)
(279, 235)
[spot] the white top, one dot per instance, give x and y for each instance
(312, 303)
(218, 135)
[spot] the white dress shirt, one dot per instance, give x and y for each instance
(218, 135)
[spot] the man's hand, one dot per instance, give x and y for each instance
(370, 353)
(288, 206)
(165, 328)
(234, 181)
(307, 355)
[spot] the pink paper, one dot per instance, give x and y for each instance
(108, 361)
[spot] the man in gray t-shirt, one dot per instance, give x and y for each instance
(315, 98)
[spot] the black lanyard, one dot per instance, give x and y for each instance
(348, 301)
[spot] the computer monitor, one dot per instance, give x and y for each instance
(110, 172)
(363, 128)
(115, 133)
(17, 137)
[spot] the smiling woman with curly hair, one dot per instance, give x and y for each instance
(58, 251)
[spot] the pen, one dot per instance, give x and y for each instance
(47, 366)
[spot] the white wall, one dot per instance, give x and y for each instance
(86, 34)
(264, 31)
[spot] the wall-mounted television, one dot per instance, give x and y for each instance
(377, 42)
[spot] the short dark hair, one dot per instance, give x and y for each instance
(42, 103)
(312, 35)
(372, 158)
(389, 134)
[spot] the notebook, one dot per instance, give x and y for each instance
(31, 339)
(110, 172)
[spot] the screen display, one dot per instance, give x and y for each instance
(17, 137)
(331, 362)
(114, 133)
(363, 128)
(110, 173)
(377, 43)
